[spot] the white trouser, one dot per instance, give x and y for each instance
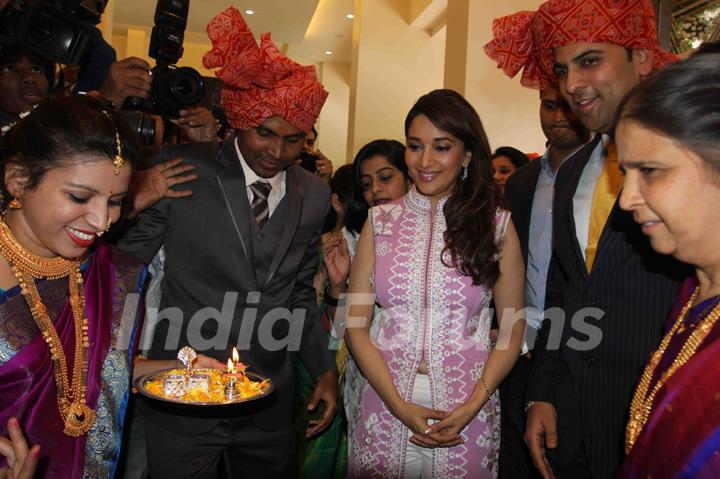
(418, 460)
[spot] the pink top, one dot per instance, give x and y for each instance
(427, 313)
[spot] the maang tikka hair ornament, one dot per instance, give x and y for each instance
(118, 160)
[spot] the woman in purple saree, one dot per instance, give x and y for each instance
(668, 139)
(65, 361)
(26, 371)
(68, 306)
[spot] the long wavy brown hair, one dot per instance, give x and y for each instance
(470, 209)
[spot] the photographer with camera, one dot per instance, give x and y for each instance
(38, 36)
(61, 31)
(130, 78)
(25, 80)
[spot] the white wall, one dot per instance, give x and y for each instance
(508, 110)
(394, 64)
(332, 124)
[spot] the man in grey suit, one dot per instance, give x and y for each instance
(241, 253)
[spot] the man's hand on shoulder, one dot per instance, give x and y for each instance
(151, 185)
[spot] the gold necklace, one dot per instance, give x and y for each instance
(76, 415)
(642, 403)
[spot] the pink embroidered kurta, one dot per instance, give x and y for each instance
(428, 313)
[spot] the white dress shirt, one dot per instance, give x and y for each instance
(582, 200)
(277, 183)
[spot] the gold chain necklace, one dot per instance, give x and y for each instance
(642, 402)
(76, 415)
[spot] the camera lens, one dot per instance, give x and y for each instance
(143, 125)
(147, 130)
(187, 86)
(178, 88)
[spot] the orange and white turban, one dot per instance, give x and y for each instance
(259, 82)
(524, 40)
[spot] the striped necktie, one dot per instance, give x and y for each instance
(604, 196)
(260, 208)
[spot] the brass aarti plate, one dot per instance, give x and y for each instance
(203, 387)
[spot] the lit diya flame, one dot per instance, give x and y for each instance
(234, 366)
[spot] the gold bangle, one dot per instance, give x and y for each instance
(529, 405)
(487, 389)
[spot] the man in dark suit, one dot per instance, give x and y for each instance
(241, 253)
(614, 291)
(529, 195)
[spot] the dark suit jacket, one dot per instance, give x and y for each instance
(515, 461)
(212, 261)
(635, 287)
(519, 195)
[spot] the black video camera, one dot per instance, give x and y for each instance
(59, 30)
(173, 88)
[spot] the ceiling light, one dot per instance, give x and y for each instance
(328, 52)
(249, 12)
(350, 16)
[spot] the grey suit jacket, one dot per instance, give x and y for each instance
(222, 286)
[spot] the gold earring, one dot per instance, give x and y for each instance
(15, 203)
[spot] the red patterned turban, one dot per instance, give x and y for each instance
(260, 82)
(524, 40)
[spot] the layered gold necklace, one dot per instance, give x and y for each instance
(642, 403)
(77, 417)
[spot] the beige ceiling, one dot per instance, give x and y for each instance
(306, 28)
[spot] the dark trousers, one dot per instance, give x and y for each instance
(133, 461)
(515, 460)
(236, 446)
(578, 468)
